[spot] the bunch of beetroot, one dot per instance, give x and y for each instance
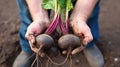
(67, 41)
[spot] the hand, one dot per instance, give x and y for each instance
(34, 29)
(80, 28)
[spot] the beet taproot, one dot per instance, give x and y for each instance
(68, 41)
(44, 41)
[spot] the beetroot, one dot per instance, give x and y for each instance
(68, 41)
(44, 41)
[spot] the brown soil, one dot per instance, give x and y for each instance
(108, 43)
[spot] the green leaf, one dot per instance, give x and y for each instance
(59, 6)
(48, 4)
(69, 5)
(62, 4)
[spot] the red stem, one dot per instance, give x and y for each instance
(62, 27)
(53, 25)
(67, 24)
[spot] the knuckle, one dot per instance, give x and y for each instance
(88, 29)
(26, 35)
(78, 33)
(91, 38)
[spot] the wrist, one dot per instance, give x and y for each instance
(35, 9)
(83, 9)
(82, 18)
(40, 15)
(42, 20)
(77, 19)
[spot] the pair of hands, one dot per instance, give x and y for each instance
(79, 27)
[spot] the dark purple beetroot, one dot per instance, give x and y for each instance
(68, 41)
(44, 41)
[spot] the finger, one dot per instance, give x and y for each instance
(41, 53)
(79, 34)
(87, 37)
(77, 50)
(28, 35)
(33, 47)
(32, 39)
(64, 52)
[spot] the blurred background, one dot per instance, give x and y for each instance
(109, 42)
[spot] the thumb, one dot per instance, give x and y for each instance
(28, 35)
(87, 38)
(32, 38)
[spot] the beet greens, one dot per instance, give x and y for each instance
(61, 10)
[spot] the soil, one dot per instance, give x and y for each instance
(109, 42)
